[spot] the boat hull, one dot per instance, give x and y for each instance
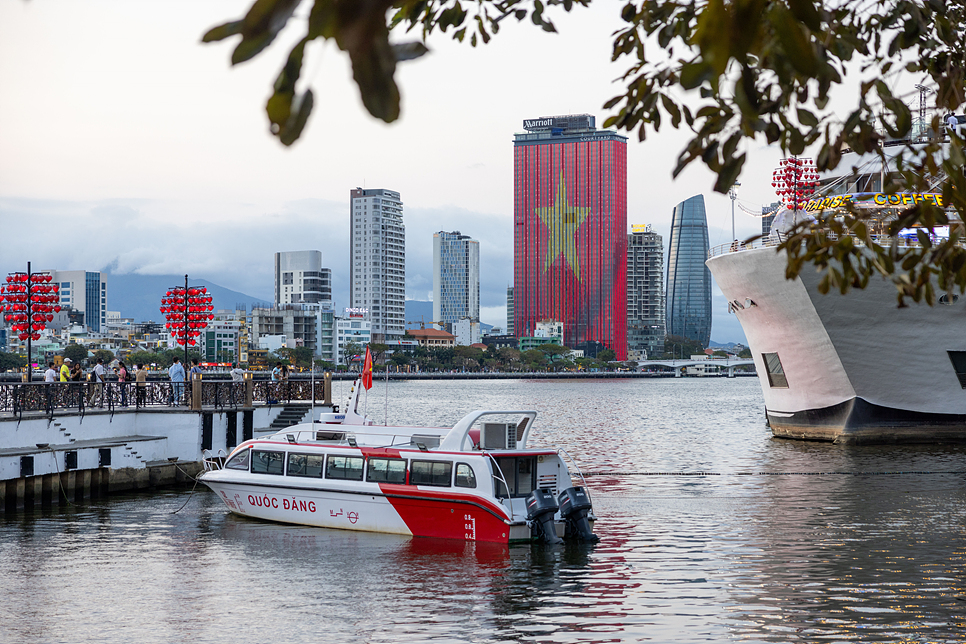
(387, 508)
(858, 368)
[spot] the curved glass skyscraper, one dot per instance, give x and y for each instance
(688, 303)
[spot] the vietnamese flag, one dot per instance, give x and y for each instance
(367, 370)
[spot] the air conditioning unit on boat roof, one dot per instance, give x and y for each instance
(499, 436)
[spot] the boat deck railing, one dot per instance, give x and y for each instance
(352, 435)
(775, 239)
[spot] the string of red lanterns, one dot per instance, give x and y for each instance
(794, 181)
(188, 311)
(28, 301)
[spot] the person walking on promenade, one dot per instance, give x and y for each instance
(176, 374)
(65, 370)
(237, 373)
(50, 377)
(98, 377)
(142, 383)
(122, 382)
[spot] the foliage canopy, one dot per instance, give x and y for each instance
(734, 74)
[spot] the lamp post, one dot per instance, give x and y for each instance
(188, 311)
(29, 301)
(734, 195)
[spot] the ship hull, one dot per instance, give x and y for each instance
(857, 368)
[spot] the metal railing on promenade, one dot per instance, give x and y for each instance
(19, 398)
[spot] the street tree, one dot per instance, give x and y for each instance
(103, 354)
(734, 74)
(11, 361)
(75, 352)
(607, 355)
(350, 351)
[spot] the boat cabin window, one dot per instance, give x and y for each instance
(267, 462)
(465, 477)
(386, 470)
(776, 374)
(239, 461)
(958, 358)
(306, 465)
(344, 467)
(438, 473)
(520, 473)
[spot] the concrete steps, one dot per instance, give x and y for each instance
(291, 414)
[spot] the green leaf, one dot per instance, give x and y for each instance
(806, 12)
(223, 31)
(409, 50)
(694, 74)
(795, 41)
(806, 118)
(260, 26)
(293, 129)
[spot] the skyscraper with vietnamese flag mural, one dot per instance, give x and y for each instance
(570, 230)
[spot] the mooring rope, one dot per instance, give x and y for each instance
(833, 473)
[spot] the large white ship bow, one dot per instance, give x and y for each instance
(853, 368)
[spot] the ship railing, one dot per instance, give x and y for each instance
(348, 434)
(213, 462)
(776, 238)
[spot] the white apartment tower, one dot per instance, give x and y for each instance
(645, 293)
(84, 291)
(456, 278)
(300, 278)
(377, 266)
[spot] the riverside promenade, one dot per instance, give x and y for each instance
(61, 442)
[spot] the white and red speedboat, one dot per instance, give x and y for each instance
(476, 481)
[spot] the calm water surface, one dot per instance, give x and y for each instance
(781, 542)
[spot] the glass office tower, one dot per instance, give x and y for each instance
(688, 304)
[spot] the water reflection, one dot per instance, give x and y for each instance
(747, 553)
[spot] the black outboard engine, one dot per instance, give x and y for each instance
(541, 508)
(574, 508)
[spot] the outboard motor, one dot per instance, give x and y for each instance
(574, 508)
(541, 508)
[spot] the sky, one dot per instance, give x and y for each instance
(127, 144)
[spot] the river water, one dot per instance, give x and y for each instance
(711, 531)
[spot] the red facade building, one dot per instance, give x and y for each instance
(570, 230)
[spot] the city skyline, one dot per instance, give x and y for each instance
(135, 178)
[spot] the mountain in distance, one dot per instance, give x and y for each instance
(729, 346)
(139, 296)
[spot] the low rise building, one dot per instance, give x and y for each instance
(432, 338)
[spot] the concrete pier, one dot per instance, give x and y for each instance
(47, 461)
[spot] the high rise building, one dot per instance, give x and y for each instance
(456, 277)
(377, 265)
(688, 304)
(570, 230)
(509, 311)
(300, 278)
(307, 325)
(645, 293)
(86, 292)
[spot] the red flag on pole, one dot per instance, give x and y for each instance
(367, 370)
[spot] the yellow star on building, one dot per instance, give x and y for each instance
(562, 220)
